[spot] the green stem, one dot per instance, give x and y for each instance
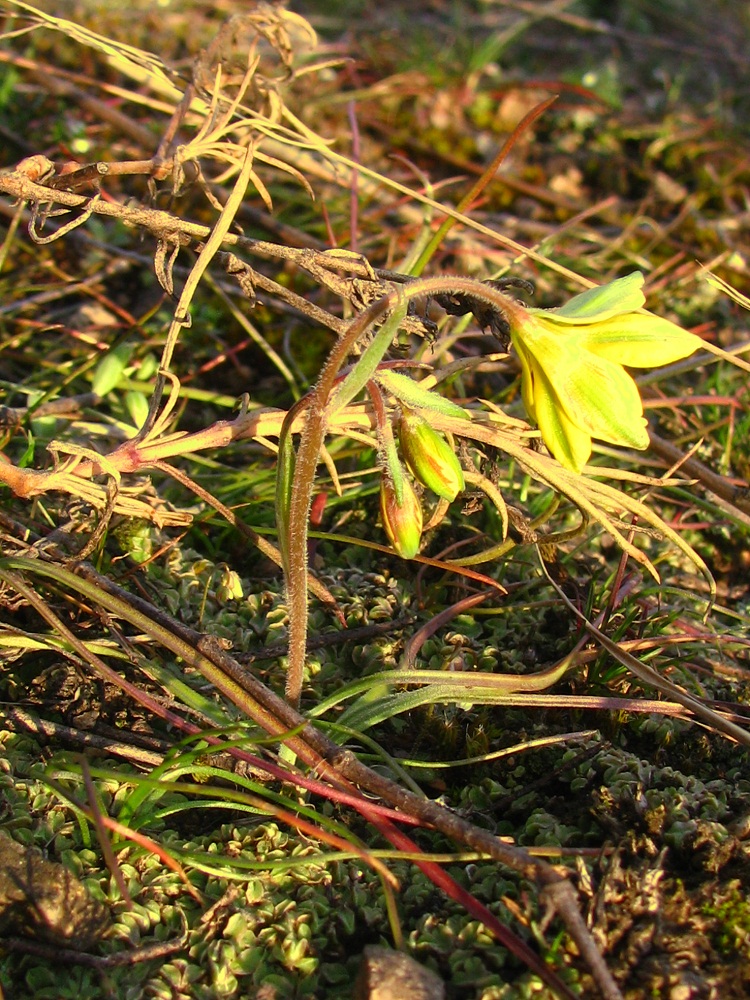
(389, 462)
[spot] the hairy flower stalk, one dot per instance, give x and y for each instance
(573, 382)
(429, 457)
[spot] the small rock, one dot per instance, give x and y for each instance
(385, 974)
(43, 900)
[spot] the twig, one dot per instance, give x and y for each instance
(66, 406)
(55, 954)
(733, 494)
(16, 718)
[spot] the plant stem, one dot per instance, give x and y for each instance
(293, 524)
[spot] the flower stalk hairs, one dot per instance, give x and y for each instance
(573, 381)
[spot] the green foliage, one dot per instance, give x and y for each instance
(732, 917)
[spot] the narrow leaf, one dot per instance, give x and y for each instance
(411, 393)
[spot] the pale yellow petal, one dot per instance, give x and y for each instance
(640, 340)
(597, 395)
(603, 400)
(527, 376)
(570, 445)
(623, 295)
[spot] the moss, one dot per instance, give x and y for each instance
(731, 916)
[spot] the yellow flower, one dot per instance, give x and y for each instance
(573, 382)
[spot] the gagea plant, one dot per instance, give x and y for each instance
(398, 431)
(573, 382)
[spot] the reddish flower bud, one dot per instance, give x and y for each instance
(402, 523)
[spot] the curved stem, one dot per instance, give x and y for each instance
(296, 495)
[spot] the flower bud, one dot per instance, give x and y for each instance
(230, 585)
(430, 458)
(402, 523)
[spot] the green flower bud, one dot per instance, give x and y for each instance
(430, 458)
(402, 523)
